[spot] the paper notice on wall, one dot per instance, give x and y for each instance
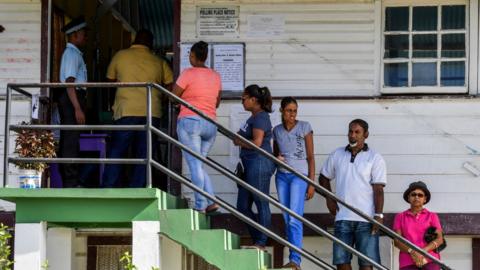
(35, 106)
(213, 21)
(185, 53)
(238, 118)
(265, 25)
(228, 61)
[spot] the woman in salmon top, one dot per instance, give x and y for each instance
(413, 224)
(200, 86)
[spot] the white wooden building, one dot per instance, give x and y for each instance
(382, 61)
(331, 56)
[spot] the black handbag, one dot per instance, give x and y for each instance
(240, 172)
(431, 234)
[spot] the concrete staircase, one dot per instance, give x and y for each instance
(118, 208)
(218, 247)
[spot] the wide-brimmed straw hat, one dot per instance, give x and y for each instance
(417, 185)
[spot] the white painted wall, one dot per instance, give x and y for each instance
(427, 139)
(60, 248)
(30, 246)
(328, 48)
(20, 42)
(80, 248)
(333, 49)
(424, 139)
(19, 62)
(457, 255)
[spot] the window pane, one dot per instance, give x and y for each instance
(424, 46)
(424, 74)
(453, 17)
(453, 73)
(453, 45)
(396, 74)
(396, 19)
(424, 18)
(396, 46)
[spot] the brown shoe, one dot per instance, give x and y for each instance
(212, 208)
(292, 265)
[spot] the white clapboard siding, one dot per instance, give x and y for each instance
(420, 139)
(19, 62)
(20, 42)
(457, 255)
(327, 48)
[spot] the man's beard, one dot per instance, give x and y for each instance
(352, 144)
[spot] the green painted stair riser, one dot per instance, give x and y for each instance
(116, 208)
(218, 247)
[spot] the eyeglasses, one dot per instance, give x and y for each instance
(414, 194)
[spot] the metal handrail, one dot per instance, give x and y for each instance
(175, 176)
(232, 135)
(241, 216)
(80, 160)
(18, 88)
(265, 196)
(222, 129)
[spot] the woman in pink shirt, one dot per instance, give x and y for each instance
(413, 224)
(200, 86)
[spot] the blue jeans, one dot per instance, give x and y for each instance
(199, 135)
(291, 193)
(258, 171)
(121, 140)
(359, 235)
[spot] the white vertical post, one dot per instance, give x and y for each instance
(171, 255)
(30, 245)
(60, 253)
(146, 244)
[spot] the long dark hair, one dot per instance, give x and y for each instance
(200, 49)
(287, 100)
(262, 94)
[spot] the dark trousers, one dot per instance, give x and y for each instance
(121, 141)
(69, 139)
(258, 171)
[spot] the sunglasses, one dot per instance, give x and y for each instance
(419, 195)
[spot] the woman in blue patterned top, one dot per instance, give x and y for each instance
(293, 144)
(258, 168)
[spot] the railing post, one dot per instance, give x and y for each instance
(149, 136)
(6, 147)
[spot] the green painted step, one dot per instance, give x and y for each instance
(108, 208)
(247, 259)
(89, 207)
(216, 246)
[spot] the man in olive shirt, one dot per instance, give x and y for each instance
(135, 64)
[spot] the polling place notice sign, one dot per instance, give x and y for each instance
(213, 21)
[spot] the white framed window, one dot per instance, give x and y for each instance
(425, 47)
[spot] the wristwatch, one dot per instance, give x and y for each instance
(380, 215)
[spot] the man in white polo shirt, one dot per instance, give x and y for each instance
(360, 175)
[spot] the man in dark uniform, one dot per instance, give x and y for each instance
(72, 101)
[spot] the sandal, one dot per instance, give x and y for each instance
(212, 208)
(292, 265)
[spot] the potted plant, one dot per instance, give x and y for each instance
(31, 143)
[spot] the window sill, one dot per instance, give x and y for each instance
(425, 90)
